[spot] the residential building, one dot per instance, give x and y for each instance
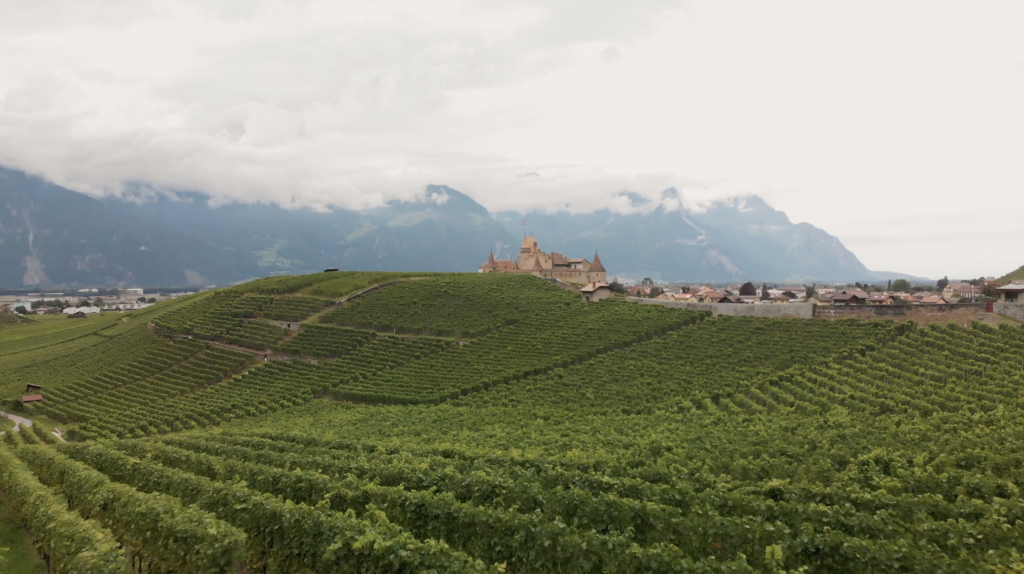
(961, 290)
(849, 296)
(1012, 293)
(83, 310)
(596, 292)
(800, 292)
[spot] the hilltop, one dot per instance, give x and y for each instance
(494, 422)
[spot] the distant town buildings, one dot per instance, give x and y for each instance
(953, 292)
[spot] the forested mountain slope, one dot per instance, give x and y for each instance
(486, 423)
(56, 237)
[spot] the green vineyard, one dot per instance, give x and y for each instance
(10, 320)
(402, 422)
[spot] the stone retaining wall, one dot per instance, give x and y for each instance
(802, 310)
(923, 315)
(1011, 310)
(961, 314)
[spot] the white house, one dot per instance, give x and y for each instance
(73, 310)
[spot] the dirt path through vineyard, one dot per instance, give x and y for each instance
(18, 421)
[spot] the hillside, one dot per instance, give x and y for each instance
(56, 237)
(497, 423)
(1017, 275)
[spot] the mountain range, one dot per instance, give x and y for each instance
(52, 236)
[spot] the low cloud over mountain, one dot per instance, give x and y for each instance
(54, 236)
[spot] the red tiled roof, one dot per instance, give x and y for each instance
(500, 264)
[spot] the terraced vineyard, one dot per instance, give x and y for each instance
(324, 342)
(466, 306)
(11, 320)
(546, 435)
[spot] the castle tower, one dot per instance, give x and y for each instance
(528, 252)
(597, 273)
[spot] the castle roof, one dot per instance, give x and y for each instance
(596, 265)
(529, 243)
(536, 264)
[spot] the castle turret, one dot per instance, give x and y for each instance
(597, 273)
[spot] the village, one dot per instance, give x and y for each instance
(82, 302)
(590, 278)
(946, 293)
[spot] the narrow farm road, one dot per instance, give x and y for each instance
(18, 421)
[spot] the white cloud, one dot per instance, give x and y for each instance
(894, 126)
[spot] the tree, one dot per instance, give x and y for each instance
(97, 302)
(900, 285)
(889, 288)
(941, 283)
(991, 290)
(655, 291)
(748, 289)
(153, 299)
(21, 310)
(615, 286)
(811, 291)
(764, 292)
(789, 294)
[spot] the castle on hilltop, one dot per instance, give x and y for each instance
(552, 265)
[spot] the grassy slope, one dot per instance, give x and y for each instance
(1017, 275)
(22, 558)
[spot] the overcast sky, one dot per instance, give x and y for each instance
(896, 126)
